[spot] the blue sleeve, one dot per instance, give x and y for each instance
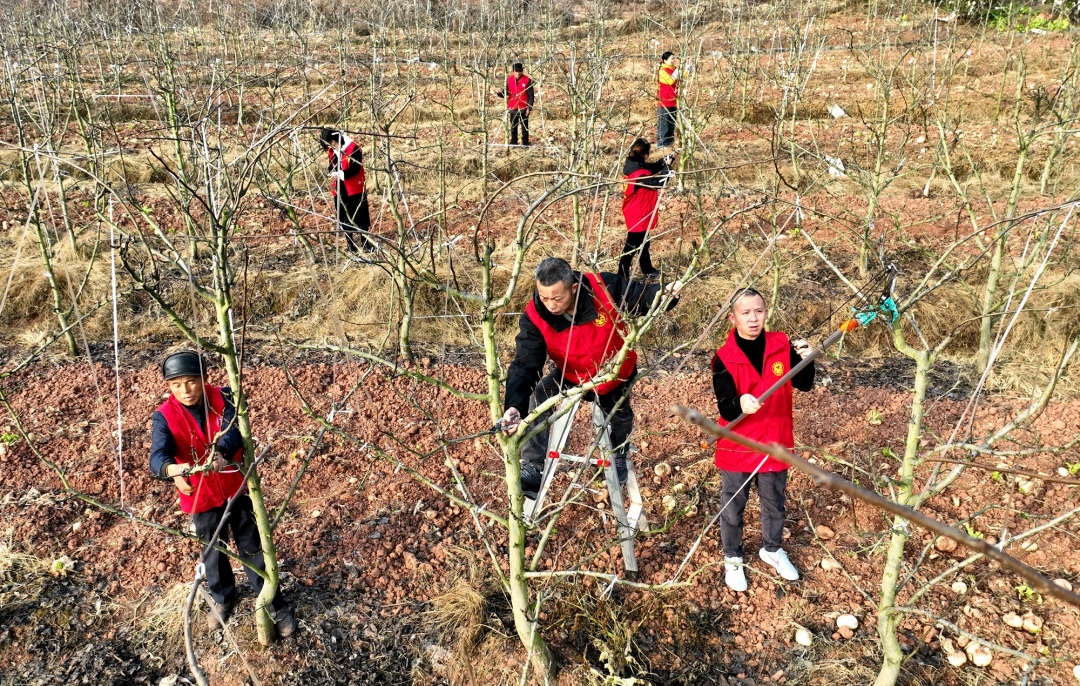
(162, 447)
(231, 441)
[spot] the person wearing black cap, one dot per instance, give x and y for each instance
(519, 103)
(348, 187)
(196, 428)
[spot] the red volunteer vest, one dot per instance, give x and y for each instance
(582, 349)
(211, 489)
(356, 184)
(517, 96)
(770, 424)
(667, 94)
(639, 204)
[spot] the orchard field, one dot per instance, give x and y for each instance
(162, 188)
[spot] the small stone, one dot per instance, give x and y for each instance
(956, 658)
(849, 621)
(1064, 583)
(315, 514)
(823, 532)
(669, 503)
(1033, 624)
(945, 545)
(1063, 472)
(679, 487)
(804, 637)
(1076, 672)
(662, 470)
(979, 654)
(1029, 546)
(78, 525)
(1012, 619)
(829, 564)
(959, 587)
(1026, 486)
(845, 632)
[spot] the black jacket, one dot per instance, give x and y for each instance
(163, 445)
(658, 172)
(632, 298)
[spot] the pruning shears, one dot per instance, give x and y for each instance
(862, 316)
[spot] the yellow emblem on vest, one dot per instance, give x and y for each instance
(601, 319)
(778, 368)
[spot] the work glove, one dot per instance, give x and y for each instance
(339, 175)
(749, 404)
(803, 347)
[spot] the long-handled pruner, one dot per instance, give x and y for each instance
(862, 316)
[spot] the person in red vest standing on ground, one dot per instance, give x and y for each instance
(519, 96)
(194, 427)
(644, 180)
(667, 77)
(349, 188)
(577, 320)
(743, 368)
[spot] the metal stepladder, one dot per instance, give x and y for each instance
(628, 520)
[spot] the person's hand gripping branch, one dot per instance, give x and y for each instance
(510, 421)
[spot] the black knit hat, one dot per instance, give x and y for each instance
(517, 67)
(184, 363)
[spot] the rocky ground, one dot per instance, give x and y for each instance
(372, 558)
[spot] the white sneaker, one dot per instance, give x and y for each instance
(734, 576)
(780, 562)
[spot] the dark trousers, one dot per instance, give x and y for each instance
(621, 421)
(353, 217)
(772, 492)
(519, 118)
(635, 241)
(244, 531)
(665, 126)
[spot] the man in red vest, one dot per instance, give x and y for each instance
(519, 103)
(744, 367)
(348, 188)
(196, 425)
(576, 320)
(667, 96)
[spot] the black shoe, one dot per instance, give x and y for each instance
(621, 470)
(531, 476)
(284, 622)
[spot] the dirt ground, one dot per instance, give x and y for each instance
(369, 553)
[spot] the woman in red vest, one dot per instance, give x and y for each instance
(519, 103)
(644, 180)
(349, 188)
(195, 425)
(576, 320)
(667, 96)
(744, 367)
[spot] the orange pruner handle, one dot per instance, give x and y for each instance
(849, 325)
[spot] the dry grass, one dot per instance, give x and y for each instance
(162, 623)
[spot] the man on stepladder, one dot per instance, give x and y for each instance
(744, 367)
(519, 96)
(576, 320)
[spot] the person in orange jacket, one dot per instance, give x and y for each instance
(667, 77)
(519, 96)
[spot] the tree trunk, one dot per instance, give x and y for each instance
(264, 623)
(892, 656)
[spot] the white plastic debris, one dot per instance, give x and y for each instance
(836, 111)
